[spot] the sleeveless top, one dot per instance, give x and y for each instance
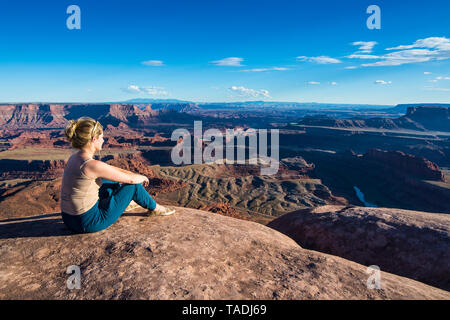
(78, 192)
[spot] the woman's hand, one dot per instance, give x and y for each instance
(145, 183)
(141, 179)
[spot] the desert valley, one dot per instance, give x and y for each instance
(356, 186)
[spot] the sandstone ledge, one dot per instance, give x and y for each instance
(412, 244)
(190, 255)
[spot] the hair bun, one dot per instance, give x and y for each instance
(70, 129)
(80, 132)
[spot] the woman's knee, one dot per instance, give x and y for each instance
(140, 187)
(135, 188)
(125, 187)
(131, 187)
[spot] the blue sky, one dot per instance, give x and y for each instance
(305, 51)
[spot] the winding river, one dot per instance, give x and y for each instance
(360, 196)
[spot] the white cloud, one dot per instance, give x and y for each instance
(396, 58)
(265, 69)
(439, 78)
(382, 82)
(153, 63)
(313, 82)
(423, 50)
(132, 88)
(320, 59)
(403, 57)
(365, 46)
(438, 43)
(250, 93)
(151, 90)
(333, 83)
(363, 56)
(229, 62)
(426, 72)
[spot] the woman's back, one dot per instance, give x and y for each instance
(78, 192)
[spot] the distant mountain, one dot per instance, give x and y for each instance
(145, 100)
(245, 105)
(421, 118)
(178, 107)
(402, 108)
(288, 105)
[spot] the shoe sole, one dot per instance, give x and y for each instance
(163, 214)
(169, 213)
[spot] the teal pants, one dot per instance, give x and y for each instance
(114, 198)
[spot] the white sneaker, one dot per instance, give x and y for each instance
(161, 211)
(133, 205)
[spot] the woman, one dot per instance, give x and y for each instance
(94, 194)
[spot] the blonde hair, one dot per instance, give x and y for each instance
(80, 132)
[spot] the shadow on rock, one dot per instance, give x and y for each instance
(40, 226)
(48, 225)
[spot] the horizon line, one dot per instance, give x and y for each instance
(130, 101)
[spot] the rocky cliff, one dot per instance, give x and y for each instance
(419, 118)
(382, 123)
(31, 169)
(48, 139)
(412, 244)
(190, 255)
(32, 116)
(406, 164)
(429, 117)
(45, 116)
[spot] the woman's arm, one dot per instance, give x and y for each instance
(123, 170)
(98, 169)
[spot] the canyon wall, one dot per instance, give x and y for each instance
(405, 163)
(45, 116)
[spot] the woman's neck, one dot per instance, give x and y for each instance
(87, 152)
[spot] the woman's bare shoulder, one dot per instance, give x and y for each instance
(99, 167)
(95, 164)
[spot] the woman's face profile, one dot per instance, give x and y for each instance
(98, 142)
